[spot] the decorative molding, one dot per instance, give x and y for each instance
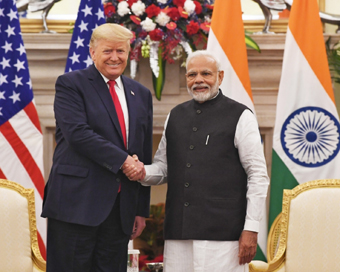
(64, 26)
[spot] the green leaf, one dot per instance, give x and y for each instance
(252, 44)
(158, 82)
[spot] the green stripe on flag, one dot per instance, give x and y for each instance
(259, 255)
(281, 178)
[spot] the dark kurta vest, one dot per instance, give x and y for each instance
(207, 185)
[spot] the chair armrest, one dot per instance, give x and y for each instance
(258, 266)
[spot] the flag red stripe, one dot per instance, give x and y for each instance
(41, 246)
(2, 175)
(32, 113)
(24, 156)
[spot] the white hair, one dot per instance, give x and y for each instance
(204, 53)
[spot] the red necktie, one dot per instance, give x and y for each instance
(118, 107)
(119, 112)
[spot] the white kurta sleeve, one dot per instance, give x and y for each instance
(157, 172)
(248, 142)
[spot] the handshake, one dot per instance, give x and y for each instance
(133, 168)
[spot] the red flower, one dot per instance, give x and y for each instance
(152, 10)
(109, 9)
(192, 28)
(183, 13)
(135, 19)
(131, 2)
(205, 27)
(198, 8)
(156, 35)
(171, 26)
(172, 13)
(210, 6)
(178, 3)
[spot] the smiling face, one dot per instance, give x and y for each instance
(110, 57)
(203, 78)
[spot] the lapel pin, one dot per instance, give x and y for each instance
(132, 93)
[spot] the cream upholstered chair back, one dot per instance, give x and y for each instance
(312, 214)
(309, 224)
(19, 251)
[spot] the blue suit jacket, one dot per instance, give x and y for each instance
(85, 175)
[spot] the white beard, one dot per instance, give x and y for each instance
(204, 96)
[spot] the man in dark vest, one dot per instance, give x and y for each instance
(212, 159)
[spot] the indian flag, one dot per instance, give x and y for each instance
(306, 134)
(227, 42)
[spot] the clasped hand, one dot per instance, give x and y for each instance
(133, 168)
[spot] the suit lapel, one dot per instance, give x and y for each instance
(130, 95)
(101, 88)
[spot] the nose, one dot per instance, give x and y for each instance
(199, 78)
(113, 55)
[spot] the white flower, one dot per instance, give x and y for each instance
(162, 19)
(148, 25)
(162, 1)
(123, 8)
(138, 8)
(189, 6)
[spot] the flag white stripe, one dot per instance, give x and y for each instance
(299, 81)
(30, 136)
(308, 92)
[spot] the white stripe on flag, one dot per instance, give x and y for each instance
(308, 91)
(30, 136)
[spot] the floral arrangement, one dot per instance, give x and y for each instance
(164, 30)
(167, 23)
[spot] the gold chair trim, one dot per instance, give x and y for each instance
(38, 260)
(288, 195)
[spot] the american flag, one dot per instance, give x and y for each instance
(90, 15)
(21, 141)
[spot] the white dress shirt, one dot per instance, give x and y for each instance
(248, 142)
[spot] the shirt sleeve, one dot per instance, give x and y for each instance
(157, 172)
(248, 142)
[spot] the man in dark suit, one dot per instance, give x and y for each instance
(93, 209)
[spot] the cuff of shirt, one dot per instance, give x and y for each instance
(252, 225)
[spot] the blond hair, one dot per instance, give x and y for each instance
(111, 32)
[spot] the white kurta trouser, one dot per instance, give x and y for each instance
(202, 256)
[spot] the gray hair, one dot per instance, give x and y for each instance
(204, 53)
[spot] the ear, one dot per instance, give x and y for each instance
(92, 53)
(220, 77)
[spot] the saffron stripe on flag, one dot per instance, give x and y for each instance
(230, 36)
(314, 48)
